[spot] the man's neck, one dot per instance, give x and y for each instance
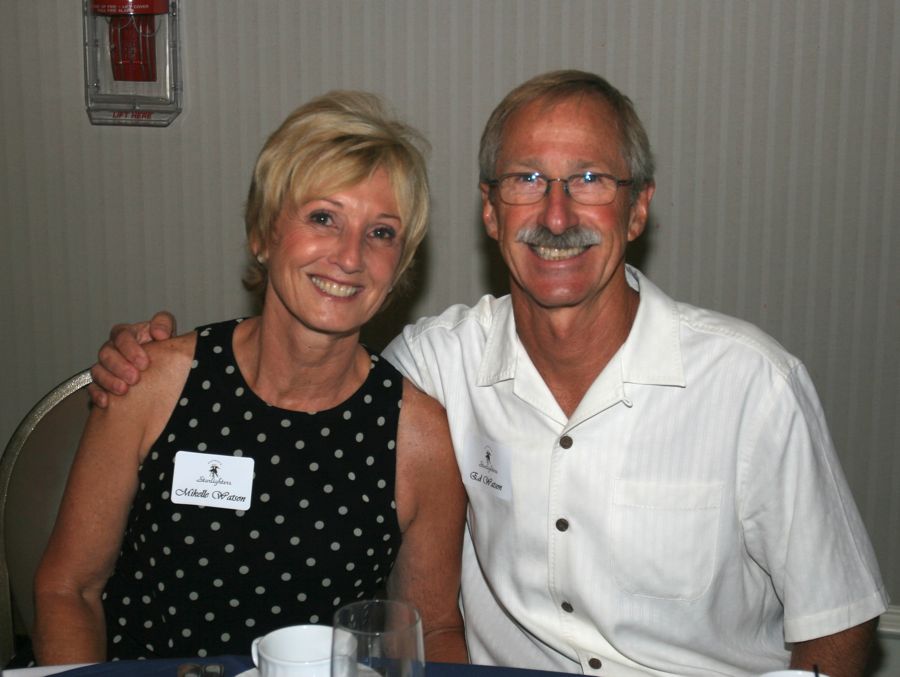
(570, 347)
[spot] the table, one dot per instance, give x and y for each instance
(234, 665)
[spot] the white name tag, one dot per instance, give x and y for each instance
(485, 465)
(215, 480)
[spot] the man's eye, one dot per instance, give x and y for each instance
(529, 179)
(590, 177)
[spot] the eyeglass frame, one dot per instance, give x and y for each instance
(495, 183)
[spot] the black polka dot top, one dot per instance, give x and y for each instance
(321, 530)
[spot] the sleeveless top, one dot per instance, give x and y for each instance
(321, 530)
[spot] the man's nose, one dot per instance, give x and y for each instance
(557, 213)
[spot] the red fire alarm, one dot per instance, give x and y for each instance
(131, 62)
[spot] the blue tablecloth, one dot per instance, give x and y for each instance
(234, 665)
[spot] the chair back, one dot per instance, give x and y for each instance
(33, 472)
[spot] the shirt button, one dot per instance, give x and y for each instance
(567, 607)
(562, 524)
(595, 663)
(565, 442)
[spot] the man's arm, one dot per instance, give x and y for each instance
(122, 359)
(843, 654)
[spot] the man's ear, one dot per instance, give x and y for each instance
(488, 212)
(640, 212)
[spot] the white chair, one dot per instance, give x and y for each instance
(33, 472)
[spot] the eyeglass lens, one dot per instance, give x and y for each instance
(588, 188)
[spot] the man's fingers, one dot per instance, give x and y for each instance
(99, 398)
(162, 326)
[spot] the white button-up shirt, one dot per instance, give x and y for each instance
(688, 519)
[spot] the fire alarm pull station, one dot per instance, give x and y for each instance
(132, 65)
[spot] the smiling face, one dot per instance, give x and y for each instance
(560, 139)
(332, 260)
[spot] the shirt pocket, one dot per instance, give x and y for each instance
(664, 537)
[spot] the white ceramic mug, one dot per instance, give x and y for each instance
(792, 673)
(294, 651)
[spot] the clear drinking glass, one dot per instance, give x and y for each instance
(377, 637)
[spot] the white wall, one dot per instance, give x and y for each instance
(775, 125)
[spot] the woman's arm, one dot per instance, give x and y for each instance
(431, 507)
(84, 544)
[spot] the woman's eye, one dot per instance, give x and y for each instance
(321, 218)
(384, 233)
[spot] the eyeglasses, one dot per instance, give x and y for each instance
(587, 188)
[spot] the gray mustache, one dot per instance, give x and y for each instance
(539, 236)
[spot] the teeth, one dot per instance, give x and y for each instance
(333, 288)
(554, 254)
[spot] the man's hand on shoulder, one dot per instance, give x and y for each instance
(122, 358)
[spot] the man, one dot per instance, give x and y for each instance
(652, 486)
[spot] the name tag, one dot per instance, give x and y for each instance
(485, 465)
(212, 480)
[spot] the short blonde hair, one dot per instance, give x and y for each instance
(329, 144)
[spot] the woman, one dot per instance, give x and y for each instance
(264, 473)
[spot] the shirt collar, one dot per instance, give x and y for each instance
(651, 354)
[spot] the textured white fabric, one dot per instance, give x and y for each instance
(708, 519)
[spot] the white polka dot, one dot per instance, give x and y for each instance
(248, 415)
(301, 597)
(335, 546)
(319, 525)
(229, 547)
(347, 415)
(250, 622)
(270, 556)
(288, 481)
(171, 437)
(244, 569)
(336, 601)
(179, 573)
(276, 609)
(225, 637)
(326, 582)
(237, 452)
(225, 431)
(186, 632)
(367, 399)
(215, 526)
(276, 459)
(387, 383)
(314, 466)
(138, 575)
(299, 444)
(229, 369)
(209, 615)
(350, 566)
(183, 402)
(328, 488)
(193, 596)
(194, 363)
(286, 576)
(343, 510)
(205, 385)
(391, 445)
(303, 503)
(189, 540)
(380, 519)
(165, 495)
(351, 475)
(238, 391)
(203, 561)
(260, 590)
(310, 561)
(339, 453)
(357, 531)
(234, 602)
(254, 534)
(325, 432)
(218, 583)
(279, 519)
(380, 421)
(261, 437)
(201, 653)
(285, 423)
(381, 484)
(217, 407)
(192, 423)
(264, 497)
(217, 349)
(360, 437)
